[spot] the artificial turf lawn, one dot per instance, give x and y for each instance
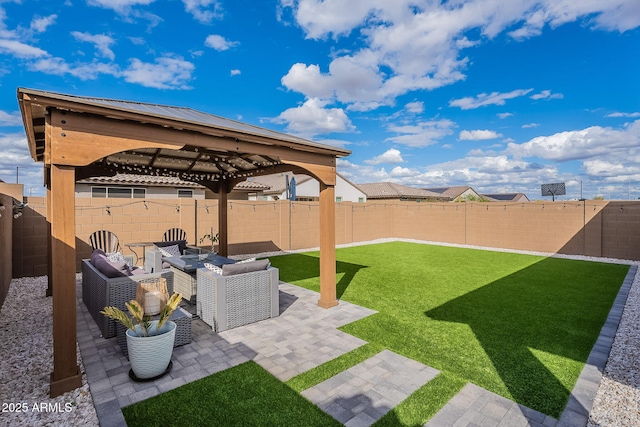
(518, 325)
(245, 395)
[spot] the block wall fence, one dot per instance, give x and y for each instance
(594, 228)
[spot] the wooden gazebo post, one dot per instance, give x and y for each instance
(66, 373)
(327, 246)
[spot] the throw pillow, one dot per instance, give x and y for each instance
(213, 268)
(111, 270)
(170, 251)
(117, 257)
(95, 254)
(246, 260)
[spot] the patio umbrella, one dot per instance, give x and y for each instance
(292, 189)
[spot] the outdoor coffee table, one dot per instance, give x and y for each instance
(184, 270)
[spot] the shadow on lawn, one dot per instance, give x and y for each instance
(296, 267)
(558, 314)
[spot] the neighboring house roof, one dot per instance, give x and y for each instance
(145, 180)
(452, 192)
(506, 197)
(163, 181)
(389, 190)
(276, 183)
(251, 185)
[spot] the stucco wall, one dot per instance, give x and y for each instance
(597, 228)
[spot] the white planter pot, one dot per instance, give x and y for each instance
(150, 356)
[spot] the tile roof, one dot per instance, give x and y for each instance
(506, 197)
(452, 192)
(389, 190)
(163, 181)
(276, 183)
(251, 185)
(132, 179)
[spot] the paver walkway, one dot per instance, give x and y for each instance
(365, 392)
(305, 336)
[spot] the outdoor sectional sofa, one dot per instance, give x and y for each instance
(100, 291)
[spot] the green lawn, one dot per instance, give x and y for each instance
(521, 326)
(245, 395)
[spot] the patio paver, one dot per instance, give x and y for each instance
(365, 392)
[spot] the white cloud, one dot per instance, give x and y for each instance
(308, 80)
(402, 172)
(530, 125)
(484, 99)
(546, 94)
(416, 107)
(166, 73)
(580, 144)
(219, 43)
(10, 119)
(204, 11)
(235, 72)
(84, 71)
(421, 134)
(20, 50)
(411, 45)
(619, 114)
(504, 115)
(392, 155)
(478, 135)
(120, 6)
(40, 25)
(312, 118)
(101, 42)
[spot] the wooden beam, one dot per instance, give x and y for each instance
(66, 373)
(327, 247)
(81, 139)
(47, 182)
(223, 195)
(324, 173)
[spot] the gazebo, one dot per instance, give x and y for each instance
(79, 137)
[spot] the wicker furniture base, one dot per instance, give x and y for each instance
(99, 291)
(226, 302)
(182, 319)
(185, 284)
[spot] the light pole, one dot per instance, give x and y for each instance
(17, 173)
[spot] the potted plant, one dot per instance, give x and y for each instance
(149, 342)
(213, 238)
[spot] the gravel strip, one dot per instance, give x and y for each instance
(617, 402)
(26, 362)
(26, 358)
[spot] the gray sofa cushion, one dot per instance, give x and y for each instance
(245, 267)
(111, 269)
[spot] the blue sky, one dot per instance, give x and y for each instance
(501, 96)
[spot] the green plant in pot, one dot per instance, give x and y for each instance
(213, 238)
(149, 342)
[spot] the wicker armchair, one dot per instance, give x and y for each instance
(226, 302)
(99, 291)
